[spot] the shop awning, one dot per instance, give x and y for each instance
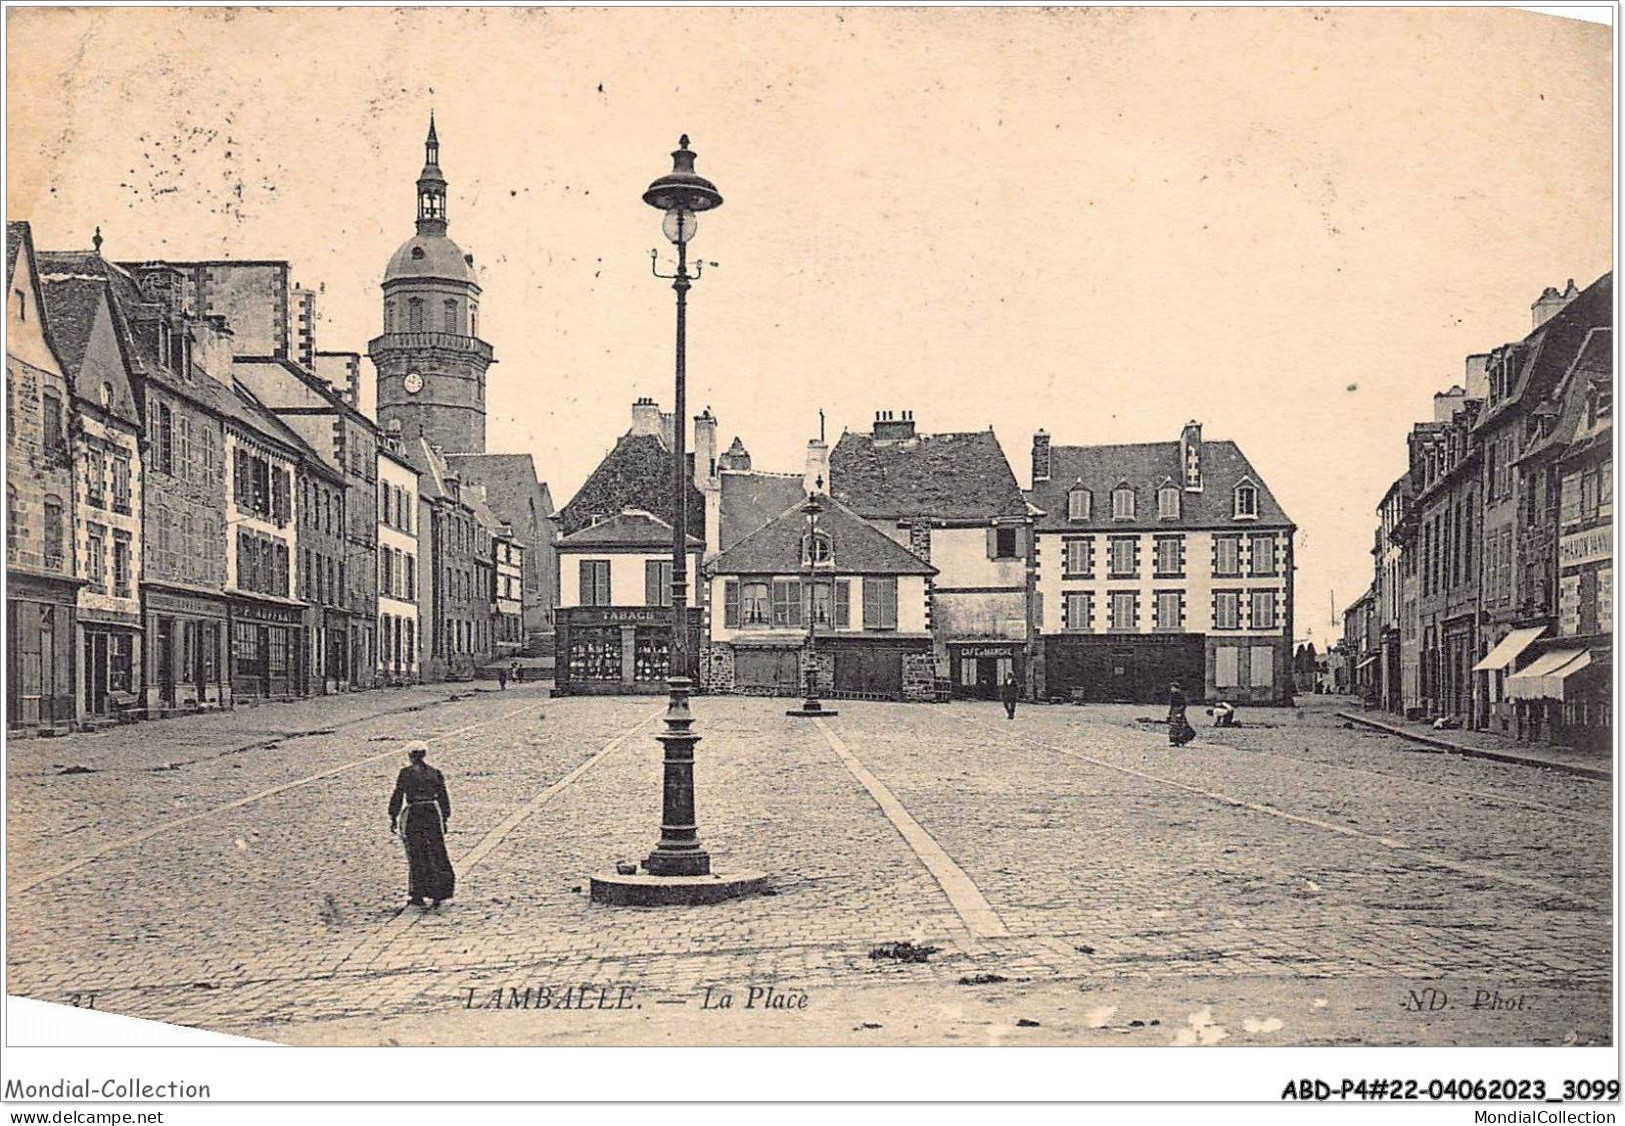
(1543, 678)
(1366, 662)
(1507, 652)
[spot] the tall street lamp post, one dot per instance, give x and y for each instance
(678, 871)
(817, 553)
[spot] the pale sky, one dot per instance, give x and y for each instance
(1291, 225)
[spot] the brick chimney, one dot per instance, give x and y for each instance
(304, 300)
(817, 468)
(211, 346)
(646, 416)
(1041, 463)
(1190, 456)
(705, 450)
(737, 459)
(890, 428)
(1478, 376)
(1551, 302)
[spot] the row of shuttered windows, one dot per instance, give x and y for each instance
(1169, 611)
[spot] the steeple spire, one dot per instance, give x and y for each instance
(431, 186)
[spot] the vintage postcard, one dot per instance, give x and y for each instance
(823, 527)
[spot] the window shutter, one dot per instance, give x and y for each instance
(603, 583)
(880, 603)
(992, 542)
(589, 588)
(1263, 666)
(730, 604)
(843, 605)
(651, 582)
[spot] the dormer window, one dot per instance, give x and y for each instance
(1168, 502)
(1080, 503)
(1122, 503)
(816, 550)
(1246, 501)
(417, 253)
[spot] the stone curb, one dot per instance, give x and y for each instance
(1477, 752)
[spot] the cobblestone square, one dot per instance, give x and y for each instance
(1073, 878)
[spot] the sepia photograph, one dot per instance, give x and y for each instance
(844, 527)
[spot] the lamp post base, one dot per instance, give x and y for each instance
(615, 890)
(811, 709)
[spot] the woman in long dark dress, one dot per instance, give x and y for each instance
(421, 808)
(1180, 730)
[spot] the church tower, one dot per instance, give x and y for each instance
(430, 361)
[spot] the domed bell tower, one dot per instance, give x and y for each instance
(430, 360)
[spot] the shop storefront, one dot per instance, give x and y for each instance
(327, 651)
(40, 624)
(184, 640)
(976, 669)
(878, 668)
(109, 665)
(1564, 695)
(615, 650)
(267, 648)
(1124, 669)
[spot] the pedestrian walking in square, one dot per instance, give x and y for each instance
(1180, 730)
(419, 810)
(1010, 692)
(502, 676)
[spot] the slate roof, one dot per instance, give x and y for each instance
(18, 237)
(750, 500)
(1552, 347)
(1145, 466)
(511, 490)
(482, 512)
(250, 412)
(630, 528)
(234, 403)
(939, 476)
(860, 549)
(1594, 364)
(635, 474)
(431, 468)
(72, 308)
(15, 234)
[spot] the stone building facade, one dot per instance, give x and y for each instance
(107, 499)
(951, 500)
(832, 598)
(41, 574)
(1161, 562)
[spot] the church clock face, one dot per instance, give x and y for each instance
(413, 383)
